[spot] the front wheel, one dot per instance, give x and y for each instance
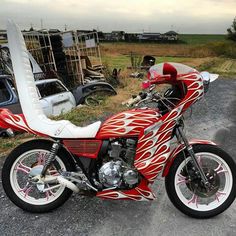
(186, 190)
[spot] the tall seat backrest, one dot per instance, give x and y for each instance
(23, 74)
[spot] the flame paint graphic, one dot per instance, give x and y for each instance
(153, 149)
(16, 122)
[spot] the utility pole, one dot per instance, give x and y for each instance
(31, 27)
(41, 23)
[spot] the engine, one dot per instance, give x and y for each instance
(118, 169)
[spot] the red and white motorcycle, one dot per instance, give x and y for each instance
(121, 157)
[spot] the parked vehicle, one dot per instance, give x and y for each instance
(55, 98)
(80, 93)
(9, 100)
(6, 64)
(87, 91)
(120, 158)
(8, 95)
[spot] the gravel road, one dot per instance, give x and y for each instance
(213, 118)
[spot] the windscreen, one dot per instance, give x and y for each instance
(180, 68)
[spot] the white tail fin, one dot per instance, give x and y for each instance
(23, 73)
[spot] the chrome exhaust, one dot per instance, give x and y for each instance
(67, 184)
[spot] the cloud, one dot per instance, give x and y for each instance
(191, 16)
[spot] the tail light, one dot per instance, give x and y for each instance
(85, 148)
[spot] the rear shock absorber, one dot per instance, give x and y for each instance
(53, 152)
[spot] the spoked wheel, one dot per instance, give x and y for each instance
(22, 165)
(186, 190)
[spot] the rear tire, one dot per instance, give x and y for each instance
(15, 177)
(178, 184)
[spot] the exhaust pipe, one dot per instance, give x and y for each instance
(68, 184)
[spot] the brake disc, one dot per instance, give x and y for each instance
(197, 186)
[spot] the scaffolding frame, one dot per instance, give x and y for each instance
(88, 45)
(73, 58)
(82, 52)
(37, 43)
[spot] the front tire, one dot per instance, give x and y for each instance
(15, 177)
(186, 191)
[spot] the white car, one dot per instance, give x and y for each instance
(55, 98)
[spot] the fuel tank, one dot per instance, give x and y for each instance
(128, 123)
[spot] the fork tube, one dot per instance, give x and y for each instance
(189, 148)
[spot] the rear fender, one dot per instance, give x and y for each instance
(50, 142)
(16, 122)
(179, 149)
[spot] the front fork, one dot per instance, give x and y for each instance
(181, 137)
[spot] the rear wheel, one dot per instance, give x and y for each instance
(28, 160)
(186, 190)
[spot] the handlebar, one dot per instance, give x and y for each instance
(136, 99)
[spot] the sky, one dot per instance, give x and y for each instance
(182, 16)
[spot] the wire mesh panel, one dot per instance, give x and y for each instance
(88, 45)
(72, 57)
(82, 54)
(39, 45)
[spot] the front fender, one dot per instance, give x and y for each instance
(179, 149)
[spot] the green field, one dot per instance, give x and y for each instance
(201, 38)
(3, 41)
(124, 61)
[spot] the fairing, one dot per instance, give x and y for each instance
(154, 133)
(141, 193)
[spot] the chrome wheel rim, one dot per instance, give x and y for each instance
(196, 202)
(21, 185)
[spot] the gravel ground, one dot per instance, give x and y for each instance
(213, 118)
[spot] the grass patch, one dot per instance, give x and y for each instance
(201, 38)
(2, 41)
(85, 115)
(117, 61)
(224, 49)
(155, 49)
(8, 144)
(224, 67)
(205, 52)
(124, 61)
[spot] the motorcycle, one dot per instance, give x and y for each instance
(120, 158)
